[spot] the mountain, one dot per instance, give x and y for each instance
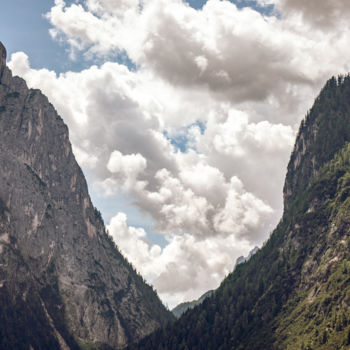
(183, 307)
(294, 293)
(63, 282)
(242, 259)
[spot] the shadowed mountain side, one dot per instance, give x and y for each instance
(183, 307)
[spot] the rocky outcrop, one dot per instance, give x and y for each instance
(63, 282)
(323, 132)
(242, 259)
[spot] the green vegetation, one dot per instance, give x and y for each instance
(89, 345)
(148, 295)
(181, 308)
(318, 316)
(23, 318)
(295, 292)
(15, 317)
(323, 132)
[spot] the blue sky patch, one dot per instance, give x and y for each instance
(265, 10)
(181, 138)
(29, 32)
(112, 205)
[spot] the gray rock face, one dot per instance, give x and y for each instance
(303, 165)
(243, 259)
(324, 131)
(63, 283)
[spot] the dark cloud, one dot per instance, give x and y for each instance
(325, 13)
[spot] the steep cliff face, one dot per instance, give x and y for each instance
(294, 293)
(62, 280)
(322, 133)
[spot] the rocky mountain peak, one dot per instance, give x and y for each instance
(323, 132)
(2, 57)
(60, 272)
(2, 54)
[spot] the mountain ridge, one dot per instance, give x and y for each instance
(183, 307)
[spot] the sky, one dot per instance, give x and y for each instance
(182, 115)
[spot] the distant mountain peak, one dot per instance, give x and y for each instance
(242, 259)
(183, 307)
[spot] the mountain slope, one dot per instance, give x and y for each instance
(183, 307)
(294, 293)
(63, 283)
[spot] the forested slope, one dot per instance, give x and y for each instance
(294, 293)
